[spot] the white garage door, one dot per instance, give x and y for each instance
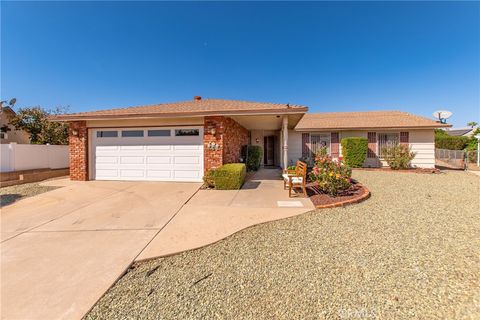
(150, 154)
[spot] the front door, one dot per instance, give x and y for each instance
(269, 150)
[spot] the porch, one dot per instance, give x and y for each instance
(275, 135)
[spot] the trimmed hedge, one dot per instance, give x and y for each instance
(451, 142)
(253, 156)
(354, 151)
(230, 176)
(208, 178)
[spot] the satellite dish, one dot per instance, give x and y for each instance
(442, 115)
(12, 102)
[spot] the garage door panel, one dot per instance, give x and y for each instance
(155, 158)
(101, 173)
(132, 148)
(158, 147)
(186, 159)
(159, 160)
(106, 159)
(100, 149)
(132, 160)
(186, 174)
(132, 173)
(186, 147)
(165, 174)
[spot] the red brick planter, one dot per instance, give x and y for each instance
(362, 194)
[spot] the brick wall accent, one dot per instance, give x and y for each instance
(235, 136)
(229, 135)
(305, 145)
(404, 137)
(78, 149)
(213, 158)
(372, 145)
(334, 142)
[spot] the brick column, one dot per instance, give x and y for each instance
(213, 157)
(225, 145)
(78, 148)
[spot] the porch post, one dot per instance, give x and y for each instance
(285, 141)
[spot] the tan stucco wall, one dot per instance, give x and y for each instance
(294, 146)
(421, 141)
(18, 136)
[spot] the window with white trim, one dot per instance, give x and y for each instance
(387, 140)
(319, 141)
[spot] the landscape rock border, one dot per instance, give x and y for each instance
(364, 195)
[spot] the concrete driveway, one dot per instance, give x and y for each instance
(63, 249)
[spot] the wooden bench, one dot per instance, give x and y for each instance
(297, 178)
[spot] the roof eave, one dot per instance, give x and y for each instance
(372, 128)
(70, 118)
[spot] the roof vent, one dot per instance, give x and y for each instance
(197, 98)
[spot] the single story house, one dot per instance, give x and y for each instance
(180, 141)
(8, 133)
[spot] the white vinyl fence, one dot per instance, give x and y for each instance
(16, 157)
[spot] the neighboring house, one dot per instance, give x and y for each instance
(8, 133)
(179, 141)
(461, 132)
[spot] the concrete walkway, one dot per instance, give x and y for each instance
(211, 215)
(63, 249)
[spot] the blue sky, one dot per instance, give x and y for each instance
(343, 56)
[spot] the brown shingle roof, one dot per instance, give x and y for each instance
(364, 120)
(187, 108)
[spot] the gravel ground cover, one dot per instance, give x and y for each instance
(412, 251)
(9, 195)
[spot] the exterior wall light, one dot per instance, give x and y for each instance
(75, 133)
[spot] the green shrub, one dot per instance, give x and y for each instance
(354, 151)
(208, 178)
(331, 177)
(451, 142)
(253, 156)
(230, 176)
(398, 156)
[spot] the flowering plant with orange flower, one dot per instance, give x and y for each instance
(331, 176)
